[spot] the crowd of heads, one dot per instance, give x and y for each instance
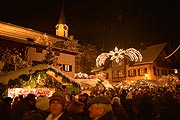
(108, 104)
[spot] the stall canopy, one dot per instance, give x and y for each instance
(93, 82)
(154, 83)
(87, 82)
(51, 71)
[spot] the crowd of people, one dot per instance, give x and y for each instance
(119, 104)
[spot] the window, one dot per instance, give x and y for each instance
(114, 74)
(142, 71)
(164, 72)
(156, 71)
(57, 53)
(118, 73)
(132, 72)
(39, 50)
(121, 73)
(67, 68)
(107, 76)
(170, 72)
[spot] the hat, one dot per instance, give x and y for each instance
(116, 100)
(31, 96)
(42, 103)
(100, 99)
(58, 96)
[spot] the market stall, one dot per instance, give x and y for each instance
(41, 79)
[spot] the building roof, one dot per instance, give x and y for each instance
(24, 35)
(150, 53)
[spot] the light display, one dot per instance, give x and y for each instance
(172, 52)
(14, 92)
(41, 79)
(81, 75)
(117, 55)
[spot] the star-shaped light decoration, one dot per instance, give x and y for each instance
(117, 55)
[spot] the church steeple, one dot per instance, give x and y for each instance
(61, 27)
(62, 19)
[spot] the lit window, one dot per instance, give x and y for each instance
(142, 71)
(67, 68)
(132, 72)
(118, 73)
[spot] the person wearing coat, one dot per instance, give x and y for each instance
(57, 106)
(23, 106)
(41, 111)
(100, 109)
(170, 109)
(118, 109)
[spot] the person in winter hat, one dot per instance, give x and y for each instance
(23, 106)
(42, 103)
(100, 108)
(118, 109)
(57, 105)
(41, 112)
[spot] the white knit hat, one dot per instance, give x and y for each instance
(116, 99)
(42, 103)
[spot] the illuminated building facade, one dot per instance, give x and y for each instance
(152, 66)
(32, 45)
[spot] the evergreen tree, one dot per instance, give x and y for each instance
(12, 60)
(86, 60)
(71, 44)
(49, 57)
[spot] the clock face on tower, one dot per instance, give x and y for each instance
(65, 27)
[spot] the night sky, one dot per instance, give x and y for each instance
(104, 23)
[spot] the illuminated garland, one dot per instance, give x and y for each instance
(41, 78)
(117, 55)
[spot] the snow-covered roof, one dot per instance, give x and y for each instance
(107, 84)
(4, 78)
(90, 82)
(93, 82)
(154, 82)
(151, 53)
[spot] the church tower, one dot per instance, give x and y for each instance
(61, 27)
